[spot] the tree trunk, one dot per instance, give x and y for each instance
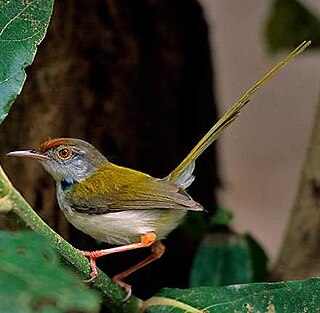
(300, 253)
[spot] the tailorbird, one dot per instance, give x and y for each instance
(122, 206)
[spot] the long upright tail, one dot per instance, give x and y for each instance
(182, 174)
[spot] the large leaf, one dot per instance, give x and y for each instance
(284, 297)
(31, 279)
(23, 24)
(227, 258)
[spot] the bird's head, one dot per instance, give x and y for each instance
(65, 158)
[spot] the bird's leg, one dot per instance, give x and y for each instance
(146, 240)
(157, 249)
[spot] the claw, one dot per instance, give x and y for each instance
(92, 256)
(92, 278)
(127, 288)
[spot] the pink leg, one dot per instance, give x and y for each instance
(145, 241)
(157, 251)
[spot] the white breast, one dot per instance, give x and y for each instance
(126, 226)
(123, 227)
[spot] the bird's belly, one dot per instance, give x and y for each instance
(125, 227)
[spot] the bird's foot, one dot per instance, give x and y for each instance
(146, 240)
(127, 288)
(92, 256)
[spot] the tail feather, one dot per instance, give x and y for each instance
(182, 174)
(185, 179)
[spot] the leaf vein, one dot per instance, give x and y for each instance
(14, 18)
(23, 39)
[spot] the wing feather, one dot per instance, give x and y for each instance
(115, 188)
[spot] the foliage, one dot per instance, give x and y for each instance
(289, 23)
(283, 297)
(227, 258)
(23, 25)
(32, 279)
(222, 217)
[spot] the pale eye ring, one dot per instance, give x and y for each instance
(64, 153)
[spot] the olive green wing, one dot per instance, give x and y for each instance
(115, 188)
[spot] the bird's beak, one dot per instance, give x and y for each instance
(31, 154)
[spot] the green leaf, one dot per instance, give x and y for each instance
(258, 258)
(227, 258)
(31, 279)
(289, 23)
(195, 225)
(23, 24)
(222, 217)
(283, 297)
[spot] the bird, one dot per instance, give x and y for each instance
(121, 206)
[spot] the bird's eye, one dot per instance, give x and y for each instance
(64, 153)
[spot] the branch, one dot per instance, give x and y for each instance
(12, 202)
